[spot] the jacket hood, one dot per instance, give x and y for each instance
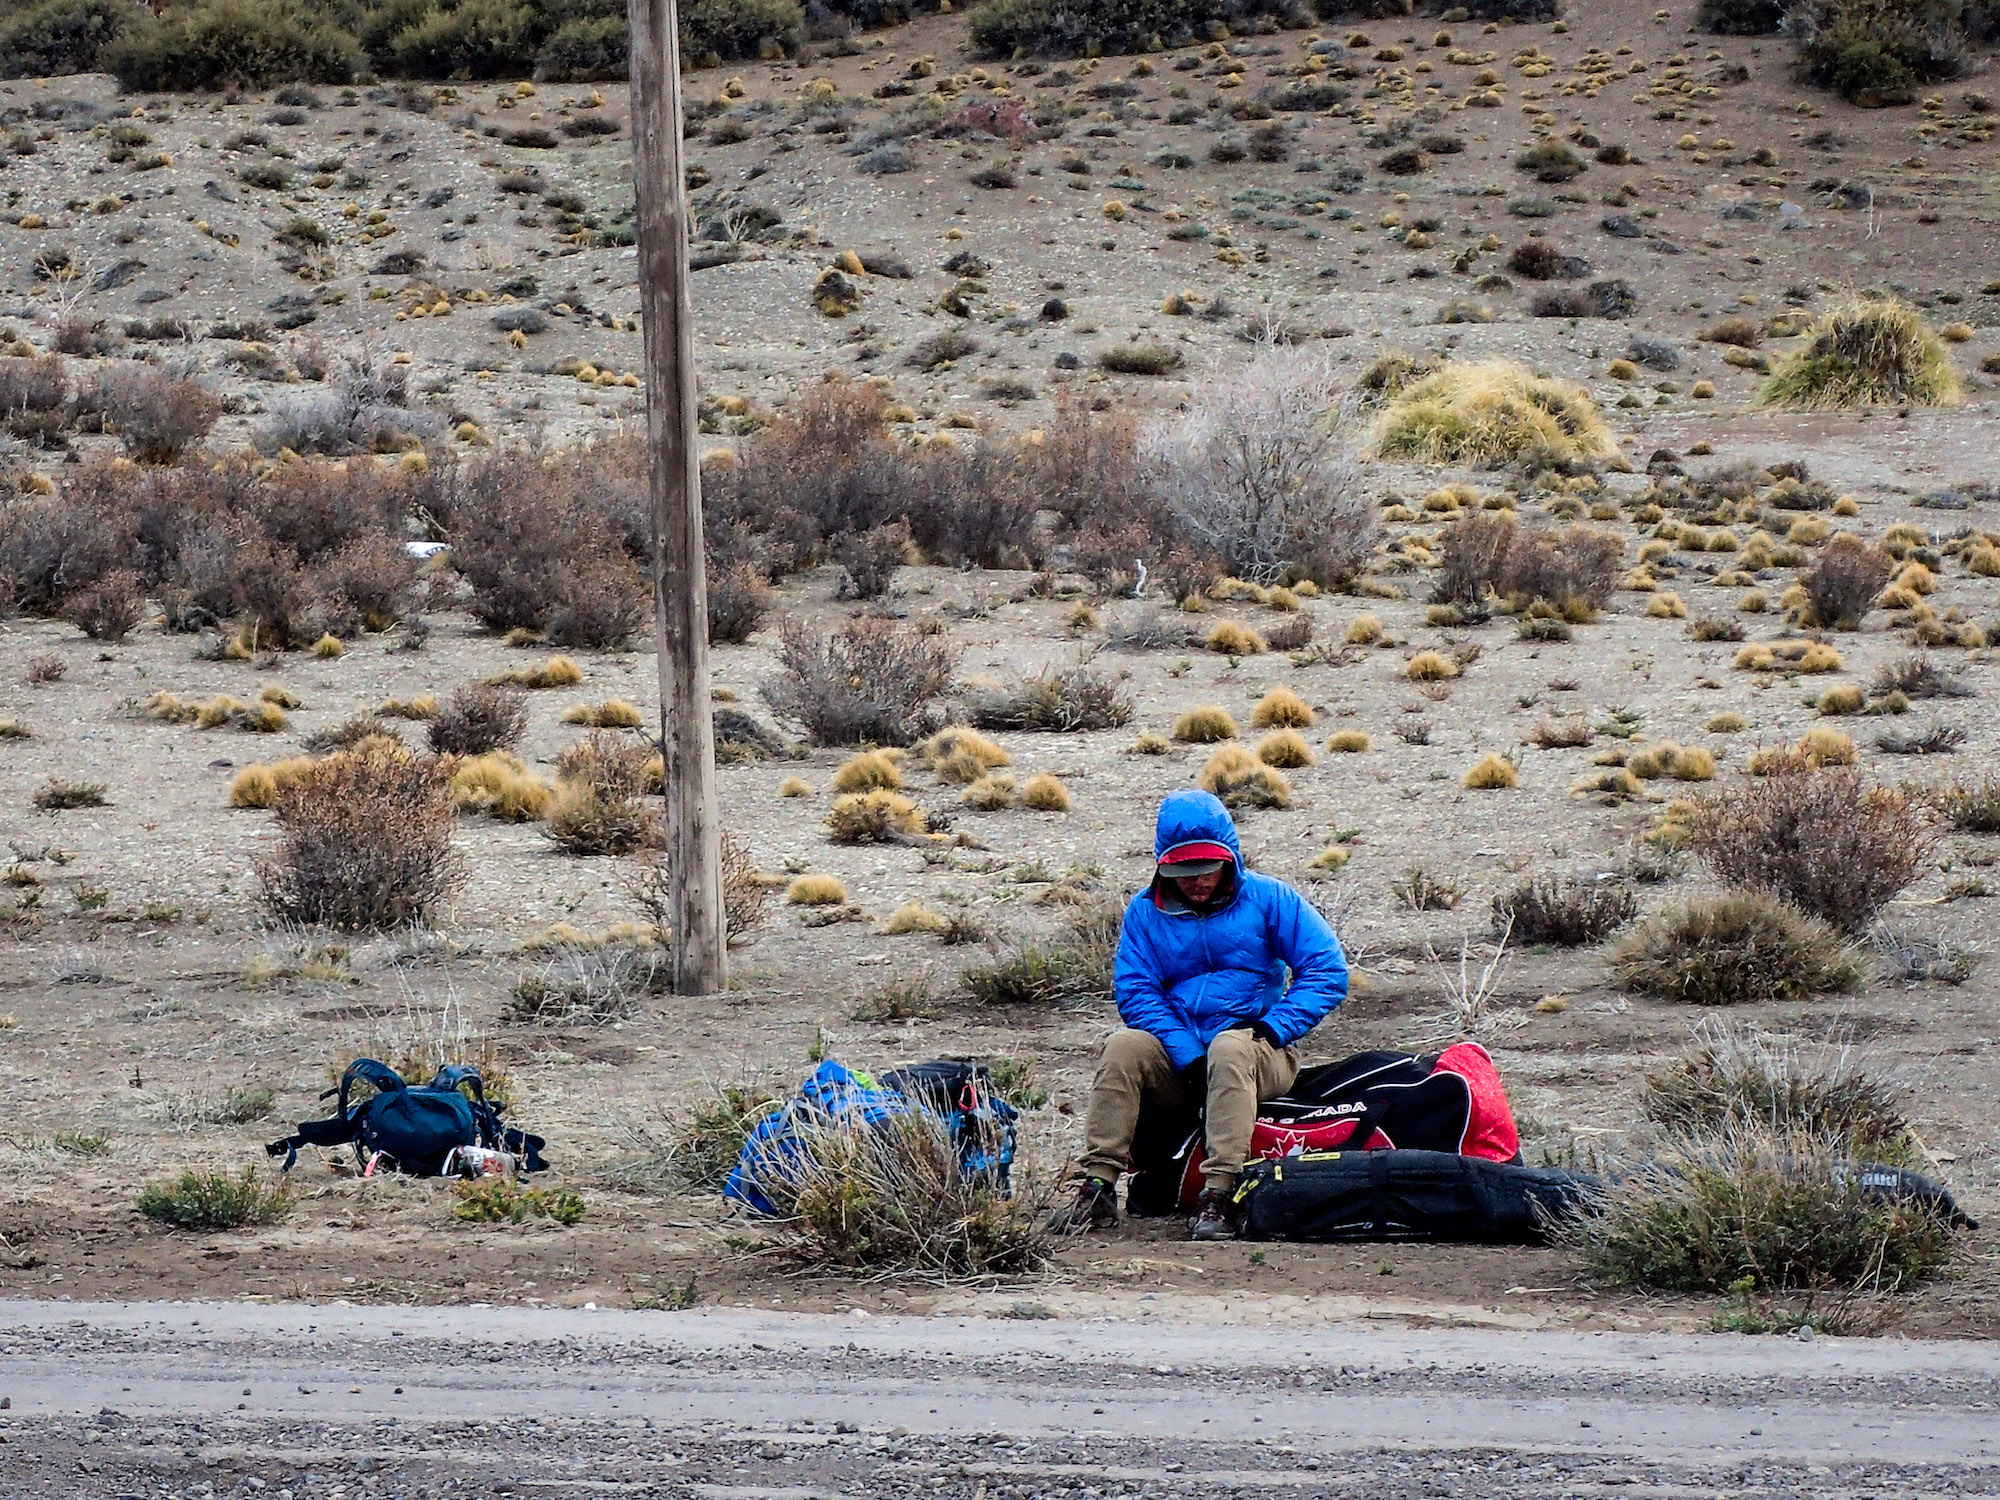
(1189, 816)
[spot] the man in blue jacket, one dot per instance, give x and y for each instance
(1220, 972)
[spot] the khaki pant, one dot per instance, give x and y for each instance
(1243, 1070)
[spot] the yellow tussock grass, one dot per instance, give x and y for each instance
(1152, 744)
(500, 786)
(1281, 708)
(1666, 606)
(1477, 413)
(1241, 780)
(1229, 638)
(1727, 723)
(1284, 748)
(259, 785)
(1430, 666)
(1365, 630)
(1844, 698)
(1349, 742)
(816, 890)
(991, 793)
(423, 706)
(876, 817)
(1044, 793)
(914, 917)
(1204, 726)
(613, 713)
(1491, 773)
(557, 671)
(960, 756)
(328, 647)
(795, 786)
(278, 696)
(869, 771)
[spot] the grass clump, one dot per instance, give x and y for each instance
(1430, 666)
(1242, 780)
(1762, 1211)
(1864, 353)
(1736, 1076)
(1819, 838)
(1070, 966)
(599, 802)
(1204, 726)
(816, 890)
(1741, 948)
(877, 817)
(872, 770)
(894, 1195)
(1067, 700)
(960, 756)
(914, 917)
(1491, 773)
(1044, 793)
(1285, 749)
(1971, 807)
(500, 786)
(1568, 911)
(57, 795)
(1490, 413)
(213, 1201)
(557, 671)
(613, 713)
(1229, 638)
(1281, 708)
(1349, 742)
(993, 792)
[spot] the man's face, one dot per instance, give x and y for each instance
(1196, 889)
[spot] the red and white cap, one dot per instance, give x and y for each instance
(1195, 857)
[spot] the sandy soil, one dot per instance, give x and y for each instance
(143, 985)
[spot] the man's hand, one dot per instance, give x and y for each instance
(1262, 1031)
(1194, 1078)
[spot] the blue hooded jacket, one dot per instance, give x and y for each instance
(1187, 978)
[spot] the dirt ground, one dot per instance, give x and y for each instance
(141, 984)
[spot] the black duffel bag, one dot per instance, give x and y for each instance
(1408, 1195)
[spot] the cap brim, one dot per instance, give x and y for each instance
(1181, 868)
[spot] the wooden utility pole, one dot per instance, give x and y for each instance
(680, 581)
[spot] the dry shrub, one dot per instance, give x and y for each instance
(157, 417)
(1140, 358)
(1736, 1076)
(364, 842)
(109, 608)
(1471, 552)
(1766, 1211)
(743, 892)
(1918, 676)
(1568, 911)
(1864, 353)
(1573, 568)
(599, 805)
(1818, 837)
(894, 1195)
(591, 986)
(1738, 949)
(1258, 471)
(478, 718)
(1971, 807)
(1538, 260)
(738, 599)
(1063, 700)
(871, 681)
(699, 1144)
(1491, 413)
(1071, 966)
(1844, 581)
(868, 559)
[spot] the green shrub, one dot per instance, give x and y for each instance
(214, 1200)
(494, 1200)
(231, 44)
(476, 39)
(1737, 1076)
(1066, 28)
(61, 36)
(739, 28)
(1759, 1210)
(1741, 17)
(1876, 52)
(584, 51)
(1737, 949)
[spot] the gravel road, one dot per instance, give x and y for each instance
(185, 1400)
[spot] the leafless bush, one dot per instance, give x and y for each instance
(869, 559)
(1065, 700)
(738, 600)
(1919, 676)
(1572, 567)
(1845, 581)
(600, 805)
(1820, 838)
(1258, 471)
(587, 986)
(872, 681)
(1471, 552)
(364, 408)
(743, 894)
(1568, 912)
(109, 608)
(158, 416)
(364, 842)
(478, 718)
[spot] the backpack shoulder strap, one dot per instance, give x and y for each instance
(345, 1124)
(455, 1076)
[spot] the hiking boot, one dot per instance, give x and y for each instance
(1215, 1216)
(1094, 1207)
